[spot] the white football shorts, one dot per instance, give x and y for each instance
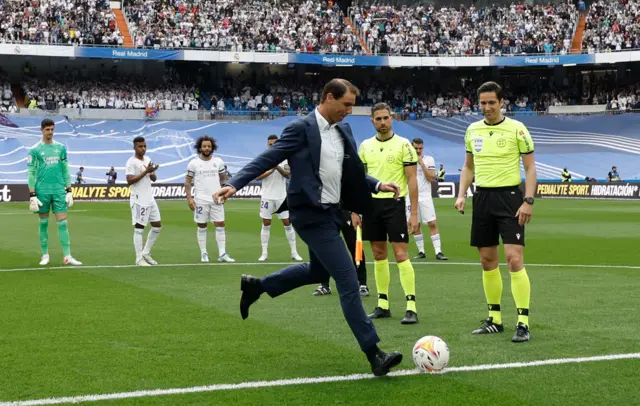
(144, 215)
(426, 209)
(208, 211)
(269, 207)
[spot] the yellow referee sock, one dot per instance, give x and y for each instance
(408, 281)
(521, 290)
(383, 279)
(492, 282)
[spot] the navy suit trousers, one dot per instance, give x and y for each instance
(328, 256)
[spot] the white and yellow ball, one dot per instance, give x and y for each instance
(431, 354)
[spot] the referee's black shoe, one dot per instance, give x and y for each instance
(251, 291)
(441, 256)
(380, 313)
(382, 362)
(489, 327)
(410, 317)
(522, 334)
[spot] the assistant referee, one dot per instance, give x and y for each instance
(391, 158)
(494, 147)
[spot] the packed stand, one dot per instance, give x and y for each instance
(59, 22)
(612, 25)
(103, 91)
(236, 25)
(425, 30)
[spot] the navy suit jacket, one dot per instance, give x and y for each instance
(300, 144)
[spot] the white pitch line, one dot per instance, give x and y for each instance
(307, 381)
(198, 264)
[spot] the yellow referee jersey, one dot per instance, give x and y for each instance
(496, 151)
(386, 160)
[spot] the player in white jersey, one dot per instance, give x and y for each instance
(207, 173)
(426, 209)
(274, 193)
(140, 172)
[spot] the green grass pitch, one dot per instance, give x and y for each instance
(96, 330)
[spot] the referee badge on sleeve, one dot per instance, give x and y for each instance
(477, 144)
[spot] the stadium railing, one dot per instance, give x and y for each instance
(584, 51)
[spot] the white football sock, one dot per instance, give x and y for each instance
(419, 242)
(435, 239)
(138, 236)
(264, 238)
(202, 239)
(151, 239)
(221, 239)
(291, 237)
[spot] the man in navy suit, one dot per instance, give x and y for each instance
(326, 176)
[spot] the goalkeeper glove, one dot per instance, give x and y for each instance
(69, 198)
(34, 203)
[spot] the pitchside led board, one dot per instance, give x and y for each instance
(443, 190)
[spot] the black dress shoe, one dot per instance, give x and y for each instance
(251, 291)
(383, 362)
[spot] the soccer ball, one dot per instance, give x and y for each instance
(431, 354)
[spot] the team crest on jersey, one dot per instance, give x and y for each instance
(501, 143)
(389, 159)
(477, 144)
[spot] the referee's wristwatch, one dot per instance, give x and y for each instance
(528, 200)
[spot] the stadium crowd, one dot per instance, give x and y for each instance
(59, 22)
(267, 94)
(125, 93)
(612, 25)
(517, 29)
(236, 25)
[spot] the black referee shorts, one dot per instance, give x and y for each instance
(387, 220)
(494, 216)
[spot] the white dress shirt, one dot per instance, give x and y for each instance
(331, 158)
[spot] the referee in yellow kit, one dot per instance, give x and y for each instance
(391, 158)
(494, 148)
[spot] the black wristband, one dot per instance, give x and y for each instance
(32, 194)
(68, 190)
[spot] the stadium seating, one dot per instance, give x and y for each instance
(59, 22)
(424, 30)
(585, 144)
(235, 25)
(612, 25)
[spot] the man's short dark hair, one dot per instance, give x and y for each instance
(138, 139)
(338, 88)
(418, 141)
(491, 87)
(199, 141)
(47, 122)
(380, 106)
(272, 137)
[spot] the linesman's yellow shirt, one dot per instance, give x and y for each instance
(496, 151)
(386, 160)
